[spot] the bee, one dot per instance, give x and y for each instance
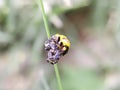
(56, 46)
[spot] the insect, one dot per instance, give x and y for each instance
(56, 46)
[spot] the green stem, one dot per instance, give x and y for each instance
(58, 77)
(48, 35)
(44, 18)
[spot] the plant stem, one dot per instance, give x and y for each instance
(44, 18)
(58, 77)
(48, 35)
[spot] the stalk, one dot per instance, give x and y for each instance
(40, 4)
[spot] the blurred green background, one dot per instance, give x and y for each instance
(93, 61)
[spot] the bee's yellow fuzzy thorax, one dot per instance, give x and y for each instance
(64, 40)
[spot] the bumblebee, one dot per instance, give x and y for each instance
(56, 46)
